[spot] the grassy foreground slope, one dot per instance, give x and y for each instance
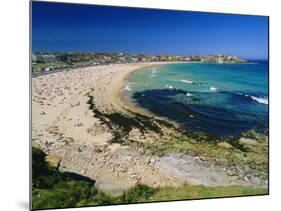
(54, 189)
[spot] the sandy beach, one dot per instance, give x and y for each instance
(64, 126)
(79, 119)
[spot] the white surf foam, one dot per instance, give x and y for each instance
(213, 88)
(153, 72)
(128, 88)
(186, 81)
(169, 86)
(262, 100)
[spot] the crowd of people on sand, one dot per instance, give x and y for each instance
(54, 94)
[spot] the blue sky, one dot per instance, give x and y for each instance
(74, 27)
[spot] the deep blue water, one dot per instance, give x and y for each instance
(220, 99)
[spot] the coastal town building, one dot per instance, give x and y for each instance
(45, 62)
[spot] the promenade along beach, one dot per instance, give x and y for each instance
(159, 124)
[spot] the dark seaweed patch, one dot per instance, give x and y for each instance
(121, 124)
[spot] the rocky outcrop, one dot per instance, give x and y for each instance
(247, 141)
(225, 145)
(54, 161)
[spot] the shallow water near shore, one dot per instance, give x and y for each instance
(219, 99)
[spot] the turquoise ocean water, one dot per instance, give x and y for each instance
(220, 99)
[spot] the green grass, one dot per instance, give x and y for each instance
(54, 189)
(200, 191)
(139, 193)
